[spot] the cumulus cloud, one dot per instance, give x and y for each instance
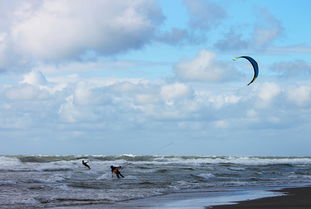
(218, 101)
(204, 67)
(26, 92)
(89, 108)
(34, 78)
(68, 28)
(69, 111)
(134, 103)
(32, 87)
(300, 96)
(175, 91)
(3, 57)
(8, 57)
(60, 30)
(267, 94)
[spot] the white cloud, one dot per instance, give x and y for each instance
(34, 78)
(175, 91)
(83, 95)
(96, 103)
(26, 92)
(219, 101)
(8, 58)
(68, 111)
(300, 96)
(67, 29)
(119, 108)
(204, 67)
(61, 29)
(3, 57)
(145, 99)
(267, 93)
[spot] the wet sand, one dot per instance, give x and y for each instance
(180, 200)
(295, 198)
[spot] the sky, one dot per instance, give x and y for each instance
(155, 77)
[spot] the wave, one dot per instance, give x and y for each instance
(206, 175)
(46, 159)
(7, 183)
(85, 185)
(60, 180)
(225, 161)
(56, 169)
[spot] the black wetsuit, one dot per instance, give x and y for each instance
(116, 171)
(85, 164)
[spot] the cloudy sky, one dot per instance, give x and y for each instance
(155, 77)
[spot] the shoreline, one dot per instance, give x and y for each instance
(285, 198)
(288, 198)
(202, 200)
(293, 198)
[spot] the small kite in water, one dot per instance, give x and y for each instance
(254, 64)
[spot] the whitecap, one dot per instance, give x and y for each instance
(104, 176)
(206, 175)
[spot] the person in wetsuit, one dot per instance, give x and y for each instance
(85, 164)
(116, 171)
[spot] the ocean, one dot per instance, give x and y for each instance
(63, 182)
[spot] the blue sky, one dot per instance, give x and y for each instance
(154, 77)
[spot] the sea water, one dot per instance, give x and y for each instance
(62, 181)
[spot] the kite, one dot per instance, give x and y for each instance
(254, 64)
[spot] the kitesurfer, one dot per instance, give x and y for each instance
(85, 164)
(115, 170)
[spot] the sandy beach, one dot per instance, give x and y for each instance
(295, 198)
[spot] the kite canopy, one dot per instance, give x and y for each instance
(254, 64)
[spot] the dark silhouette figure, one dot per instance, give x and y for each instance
(116, 171)
(85, 164)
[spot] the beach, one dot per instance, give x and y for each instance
(290, 198)
(294, 198)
